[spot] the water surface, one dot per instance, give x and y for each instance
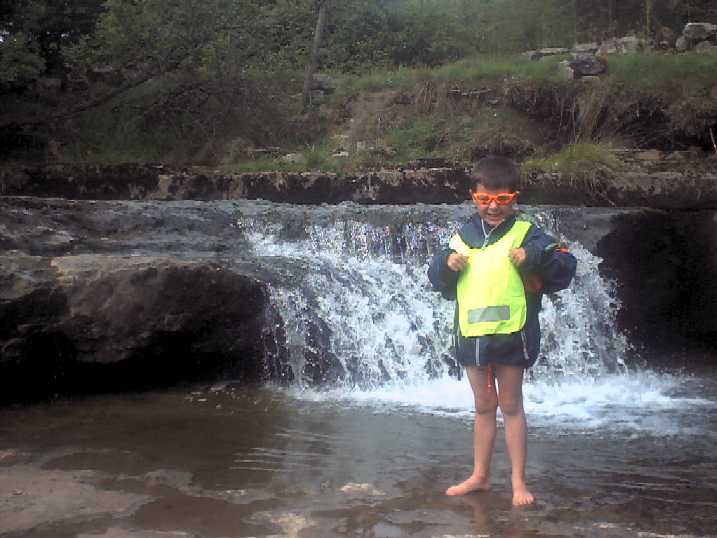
(236, 462)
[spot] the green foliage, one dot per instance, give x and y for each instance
(184, 77)
(147, 36)
(36, 32)
(20, 62)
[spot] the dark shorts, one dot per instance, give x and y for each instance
(507, 349)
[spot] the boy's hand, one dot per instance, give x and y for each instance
(457, 262)
(517, 256)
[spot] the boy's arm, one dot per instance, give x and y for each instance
(442, 278)
(548, 259)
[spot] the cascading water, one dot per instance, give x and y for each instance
(359, 320)
(368, 285)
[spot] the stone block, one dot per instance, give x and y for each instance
(699, 31)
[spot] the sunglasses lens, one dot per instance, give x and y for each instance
(483, 199)
(504, 199)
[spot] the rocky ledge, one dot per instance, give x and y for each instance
(677, 180)
(111, 295)
(99, 322)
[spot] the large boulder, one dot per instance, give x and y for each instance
(92, 322)
(584, 65)
(699, 31)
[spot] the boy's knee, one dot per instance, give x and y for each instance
(486, 405)
(510, 406)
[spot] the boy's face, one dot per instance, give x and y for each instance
(490, 209)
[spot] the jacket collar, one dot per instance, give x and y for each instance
(494, 232)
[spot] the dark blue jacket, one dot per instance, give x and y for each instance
(544, 257)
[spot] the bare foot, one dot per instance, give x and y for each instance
(521, 495)
(474, 483)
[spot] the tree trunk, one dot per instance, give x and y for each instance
(648, 19)
(314, 59)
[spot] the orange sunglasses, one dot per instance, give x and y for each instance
(504, 198)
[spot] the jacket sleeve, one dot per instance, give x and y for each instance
(549, 260)
(442, 278)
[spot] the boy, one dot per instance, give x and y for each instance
(497, 268)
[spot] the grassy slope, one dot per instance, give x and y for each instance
(675, 89)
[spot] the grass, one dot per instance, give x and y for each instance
(579, 162)
(477, 70)
(664, 75)
(418, 136)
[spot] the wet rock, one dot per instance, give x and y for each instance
(354, 488)
(30, 498)
(93, 322)
(292, 525)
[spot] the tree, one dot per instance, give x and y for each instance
(313, 62)
(35, 33)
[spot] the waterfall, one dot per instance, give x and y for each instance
(360, 310)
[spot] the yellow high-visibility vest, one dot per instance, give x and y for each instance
(491, 295)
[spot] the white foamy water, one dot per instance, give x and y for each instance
(641, 402)
(365, 290)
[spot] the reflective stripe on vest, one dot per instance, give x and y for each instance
(491, 296)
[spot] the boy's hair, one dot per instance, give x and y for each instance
(495, 173)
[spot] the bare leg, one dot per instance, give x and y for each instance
(510, 399)
(486, 402)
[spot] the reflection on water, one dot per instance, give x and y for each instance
(262, 462)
